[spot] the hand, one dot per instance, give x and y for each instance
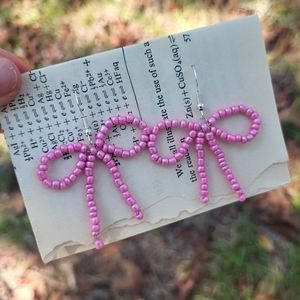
(11, 67)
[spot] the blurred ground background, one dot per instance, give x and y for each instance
(248, 251)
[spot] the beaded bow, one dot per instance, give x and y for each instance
(198, 133)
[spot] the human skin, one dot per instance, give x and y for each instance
(11, 68)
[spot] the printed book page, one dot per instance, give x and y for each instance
(153, 80)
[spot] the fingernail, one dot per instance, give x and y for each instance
(9, 80)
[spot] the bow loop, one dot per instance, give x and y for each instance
(118, 151)
(80, 166)
(252, 115)
(184, 146)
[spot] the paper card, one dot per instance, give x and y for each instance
(152, 80)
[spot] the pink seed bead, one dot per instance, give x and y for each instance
(90, 191)
(172, 161)
(55, 184)
(168, 123)
(111, 148)
(83, 148)
(204, 199)
(236, 187)
(90, 179)
(58, 153)
(70, 148)
(242, 108)
(44, 160)
(126, 195)
(95, 233)
(183, 124)
(174, 123)
(221, 112)
(99, 142)
(229, 177)
(238, 138)
(130, 201)
(118, 182)
(115, 120)
(223, 135)
(201, 169)
(178, 156)
(193, 134)
(216, 115)
(43, 167)
(95, 221)
(190, 125)
(125, 154)
(116, 175)
(77, 146)
(42, 175)
(242, 197)
(152, 150)
(90, 197)
(113, 169)
(95, 227)
(200, 161)
(188, 139)
(82, 156)
(235, 109)
(139, 215)
(93, 209)
(62, 185)
(231, 138)
(47, 183)
(154, 157)
(73, 177)
(204, 186)
(132, 153)
(203, 180)
(80, 164)
(122, 120)
(50, 155)
(93, 214)
(182, 150)
(88, 171)
(212, 120)
(137, 148)
(212, 142)
(136, 121)
(249, 137)
(91, 203)
(89, 164)
(123, 188)
(135, 207)
(106, 158)
(144, 138)
(202, 174)
(185, 145)
(104, 129)
(130, 118)
(253, 132)
(108, 123)
(77, 171)
(204, 193)
(244, 139)
(67, 181)
(165, 161)
(99, 244)
(228, 111)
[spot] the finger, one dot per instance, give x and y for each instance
(10, 81)
(21, 63)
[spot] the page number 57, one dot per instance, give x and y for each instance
(187, 37)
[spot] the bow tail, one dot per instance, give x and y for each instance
(223, 165)
(122, 186)
(201, 167)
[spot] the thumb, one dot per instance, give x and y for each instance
(10, 80)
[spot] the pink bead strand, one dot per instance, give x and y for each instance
(200, 133)
(202, 175)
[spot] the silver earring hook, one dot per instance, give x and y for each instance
(200, 105)
(87, 129)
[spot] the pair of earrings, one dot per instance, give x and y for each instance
(199, 134)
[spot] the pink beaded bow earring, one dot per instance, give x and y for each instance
(199, 134)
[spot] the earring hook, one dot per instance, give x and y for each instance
(87, 129)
